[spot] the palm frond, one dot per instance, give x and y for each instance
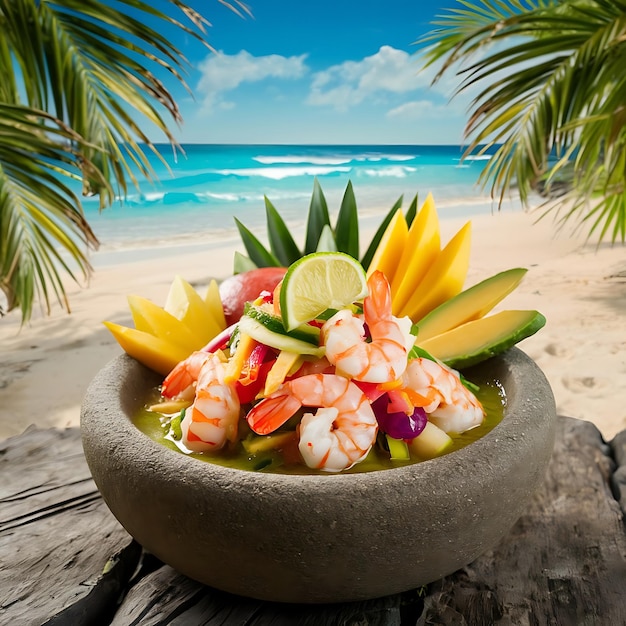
(83, 78)
(41, 218)
(552, 93)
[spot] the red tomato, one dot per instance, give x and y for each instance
(236, 290)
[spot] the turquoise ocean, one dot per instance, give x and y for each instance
(197, 194)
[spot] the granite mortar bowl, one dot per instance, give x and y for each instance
(320, 538)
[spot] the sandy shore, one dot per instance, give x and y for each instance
(47, 365)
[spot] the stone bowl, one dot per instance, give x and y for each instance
(318, 538)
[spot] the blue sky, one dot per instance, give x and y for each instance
(341, 71)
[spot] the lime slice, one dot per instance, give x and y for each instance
(320, 281)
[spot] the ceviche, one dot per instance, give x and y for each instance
(324, 391)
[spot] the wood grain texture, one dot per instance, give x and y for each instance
(564, 562)
(56, 533)
(64, 559)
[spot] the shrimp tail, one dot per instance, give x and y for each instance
(379, 299)
(179, 382)
(271, 413)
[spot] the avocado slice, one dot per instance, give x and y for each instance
(470, 304)
(480, 339)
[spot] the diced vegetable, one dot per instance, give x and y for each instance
(256, 444)
(250, 391)
(277, 340)
(175, 428)
(305, 332)
(252, 365)
(398, 449)
(219, 342)
(399, 425)
(285, 364)
(169, 407)
(235, 364)
(431, 443)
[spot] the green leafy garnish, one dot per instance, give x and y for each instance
(320, 235)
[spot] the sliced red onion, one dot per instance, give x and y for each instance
(220, 340)
(255, 360)
(399, 425)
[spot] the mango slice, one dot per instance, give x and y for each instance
(151, 318)
(185, 304)
(214, 302)
(420, 251)
(389, 250)
(157, 354)
(235, 365)
(445, 277)
(483, 338)
(470, 304)
(286, 363)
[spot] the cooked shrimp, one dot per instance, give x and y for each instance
(213, 417)
(440, 392)
(179, 383)
(315, 366)
(338, 435)
(385, 357)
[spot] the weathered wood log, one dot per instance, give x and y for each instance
(564, 562)
(56, 533)
(64, 559)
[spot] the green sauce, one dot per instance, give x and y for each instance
(157, 427)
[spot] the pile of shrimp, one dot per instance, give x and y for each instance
(362, 352)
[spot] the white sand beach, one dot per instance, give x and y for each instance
(580, 288)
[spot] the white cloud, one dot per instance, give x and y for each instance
(222, 72)
(413, 110)
(420, 109)
(351, 82)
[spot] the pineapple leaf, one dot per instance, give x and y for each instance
(259, 255)
(242, 263)
(411, 212)
(347, 227)
(282, 244)
(326, 241)
(318, 218)
(369, 254)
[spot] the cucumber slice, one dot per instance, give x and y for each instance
(306, 332)
(280, 341)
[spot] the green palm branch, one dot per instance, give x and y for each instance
(79, 84)
(551, 94)
(39, 213)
